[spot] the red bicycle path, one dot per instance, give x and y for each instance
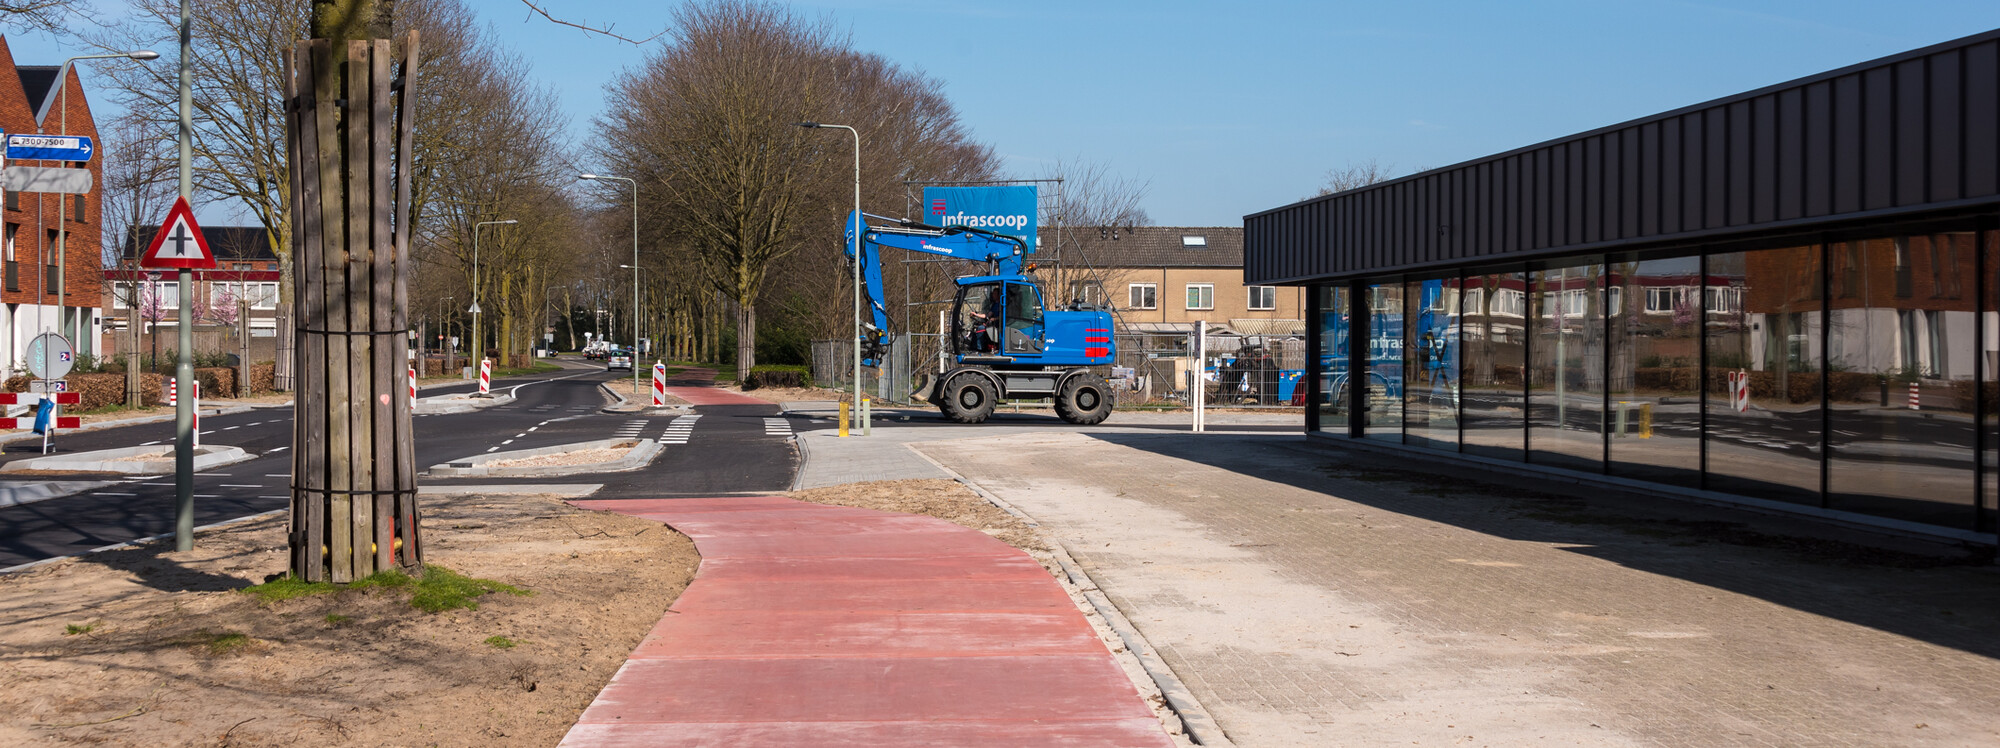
(809, 624)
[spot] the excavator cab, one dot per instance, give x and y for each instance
(998, 318)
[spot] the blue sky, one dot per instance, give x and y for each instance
(1223, 109)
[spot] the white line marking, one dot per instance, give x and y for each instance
(111, 493)
(150, 443)
(279, 449)
(156, 484)
(274, 497)
(509, 441)
(214, 475)
(277, 475)
(493, 449)
(207, 496)
(231, 428)
(238, 485)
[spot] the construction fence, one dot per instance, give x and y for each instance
(1149, 369)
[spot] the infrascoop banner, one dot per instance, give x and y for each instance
(1003, 210)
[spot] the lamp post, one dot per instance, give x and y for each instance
(62, 205)
(634, 266)
(855, 250)
(449, 348)
(475, 277)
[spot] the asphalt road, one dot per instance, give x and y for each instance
(725, 449)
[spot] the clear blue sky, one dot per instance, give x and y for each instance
(1229, 108)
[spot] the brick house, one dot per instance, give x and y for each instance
(1165, 278)
(43, 229)
(246, 269)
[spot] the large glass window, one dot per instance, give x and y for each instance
(1763, 379)
(1566, 371)
(1901, 347)
(1333, 397)
(1494, 335)
(1430, 363)
(1655, 418)
(1989, 383)
(1383, 387)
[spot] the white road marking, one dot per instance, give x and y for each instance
(111, 493)
(277, 475)
(278, 449)
(239, 485)
(156, 484)
(509, 441)
(150, 443)
(231, 428)
(493, 449)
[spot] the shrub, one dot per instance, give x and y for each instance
(777, 376)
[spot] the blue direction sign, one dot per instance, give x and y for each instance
(50, 147)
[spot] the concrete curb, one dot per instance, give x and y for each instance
(1195, 721)
(451, 404)
(637, 457)
(29, 493)
(106, 460)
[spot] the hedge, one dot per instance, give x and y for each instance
(773, 375)
(103, 390)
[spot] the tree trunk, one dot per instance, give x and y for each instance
(746, 338)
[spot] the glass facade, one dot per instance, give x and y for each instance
(1857, 375)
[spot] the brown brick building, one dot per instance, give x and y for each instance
(32, 100)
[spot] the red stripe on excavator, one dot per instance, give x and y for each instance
(1096, 352)
(1096, 340)
(1093, 329)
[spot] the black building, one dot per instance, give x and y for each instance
(1784, 298)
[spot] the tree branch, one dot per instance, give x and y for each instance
(606, 31)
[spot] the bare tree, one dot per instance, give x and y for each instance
(1356, 174)
(53, 16)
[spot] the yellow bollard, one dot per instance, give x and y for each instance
(1646, 421)
(843, 419)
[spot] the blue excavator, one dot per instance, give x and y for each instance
(1004, 342)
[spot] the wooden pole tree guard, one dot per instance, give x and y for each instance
(348, 128)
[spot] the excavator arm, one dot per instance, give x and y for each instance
(1006, 254)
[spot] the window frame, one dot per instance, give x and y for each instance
(1192, 288)
(1152, 295)
(1271, 306)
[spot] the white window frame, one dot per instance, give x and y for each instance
(122, 294)
(1196, 291)
(1151, 295)
(1270, 306)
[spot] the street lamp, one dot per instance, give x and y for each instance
(475, 279)
(62, 206)
(855, 232)
(634, 266)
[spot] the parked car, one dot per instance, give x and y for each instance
(620, 358)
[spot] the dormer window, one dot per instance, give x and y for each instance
(1194, 242)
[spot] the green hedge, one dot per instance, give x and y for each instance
(774, 375)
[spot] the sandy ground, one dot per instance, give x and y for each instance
(580, 457)
(137, 647)
(785, 394)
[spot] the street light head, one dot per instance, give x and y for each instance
(509, 221)
(144, 54)
(586, 176)
(807, 124)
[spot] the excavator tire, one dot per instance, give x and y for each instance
(1084, 399)
(967, 397)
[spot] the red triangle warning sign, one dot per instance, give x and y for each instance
(179, 243)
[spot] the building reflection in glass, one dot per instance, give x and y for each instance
(1566, 368)
(1653, 310)
(1762, 327)
(1383, 385)
(1332, 353)
(1902, 357)
(1430, 364)
(1492, 364)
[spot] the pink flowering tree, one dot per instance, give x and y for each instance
(222, 306)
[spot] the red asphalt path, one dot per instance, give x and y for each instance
(706, 394)
(833, 626)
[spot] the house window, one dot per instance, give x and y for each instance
(76, 209)
(1263, 298)
(1143, 296)
(1087, 292)
(1201, 296)
(1194, 242)
(121, 295)
(261, 295)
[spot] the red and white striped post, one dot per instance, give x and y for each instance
(196, 410)
(413, 386)
(485, 377)
(173, 392)
(1915, 399)
(659, 385)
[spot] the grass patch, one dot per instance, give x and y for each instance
(723, 372)
(497, 641)
(440, 589)
(227, 642)
(76, 629)
(539, 367)
(335, 619)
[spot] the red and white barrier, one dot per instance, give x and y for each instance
(485, 376)
(659, 385)
(196, 410)
(28, 422)
(1916, 400)
(413, 386)
(173, 391)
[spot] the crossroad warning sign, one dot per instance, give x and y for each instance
(179, 243)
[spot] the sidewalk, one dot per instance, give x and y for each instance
(1319, 597)
(821, 625)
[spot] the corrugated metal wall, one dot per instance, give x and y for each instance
(1915, 132)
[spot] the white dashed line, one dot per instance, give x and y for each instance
(509, 441)
(237, 485)
(111, 493)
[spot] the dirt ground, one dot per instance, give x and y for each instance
(150, 647)
(947, 500)
(578, 457)
(785, 394)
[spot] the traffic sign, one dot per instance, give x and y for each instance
(50, 147)
(46, 386)
(179, 243)
(47, 179)
(50, 356)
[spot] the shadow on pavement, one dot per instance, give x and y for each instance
(1945, 595)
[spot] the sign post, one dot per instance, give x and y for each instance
(659, 384)
(179, 245)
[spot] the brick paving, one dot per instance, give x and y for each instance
(1313, 596)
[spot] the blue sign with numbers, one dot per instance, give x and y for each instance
(50, 147)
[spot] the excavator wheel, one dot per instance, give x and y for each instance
(1084, 399)
(967, 397)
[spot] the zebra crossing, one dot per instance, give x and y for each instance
(631, 429)
(777, 427)
(679, 431)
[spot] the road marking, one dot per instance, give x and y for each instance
(278, 449)
(111, 493)
(239, 485)
(150, 443)
(532, 428)
(274, 497)
(207, 496)
(231, 428)
(522, 434)
(156, 484)
(493, 449)
(277, 475)
(509, 441)
(215, 475)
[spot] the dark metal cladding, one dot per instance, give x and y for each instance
(1914, 133)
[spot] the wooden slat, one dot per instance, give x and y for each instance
(311, 469)
(360, 348)
(389, 351)
(333, 272)
(405, 217)
(300, 535)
